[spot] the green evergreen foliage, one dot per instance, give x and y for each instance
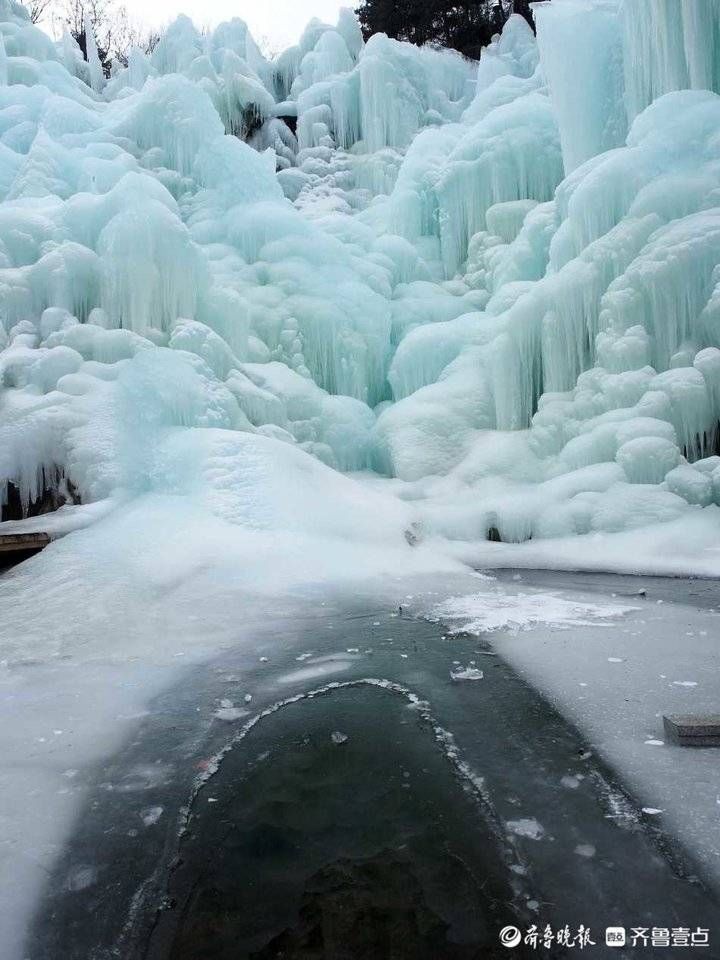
(464, 25)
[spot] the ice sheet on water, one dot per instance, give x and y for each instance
(618, 706)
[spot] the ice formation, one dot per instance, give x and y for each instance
(492, 290)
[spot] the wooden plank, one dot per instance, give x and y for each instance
(694, 730)
(18, 542)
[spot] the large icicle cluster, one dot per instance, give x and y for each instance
(497, 283)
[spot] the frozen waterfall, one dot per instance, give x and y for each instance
(490, 292)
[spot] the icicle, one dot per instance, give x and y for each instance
(71, 53)
(3, 63)
(581, 53)
(97, 77)
(138, 67)
(669, 45)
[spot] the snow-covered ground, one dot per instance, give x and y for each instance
(681, 548)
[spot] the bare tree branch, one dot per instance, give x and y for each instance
(115, 32)
(37, 9)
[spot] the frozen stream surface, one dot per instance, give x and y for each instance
(362, 771)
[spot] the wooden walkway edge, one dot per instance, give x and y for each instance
(16, 547)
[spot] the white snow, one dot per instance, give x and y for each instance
(493, 610)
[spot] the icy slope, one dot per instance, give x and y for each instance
(496, 283)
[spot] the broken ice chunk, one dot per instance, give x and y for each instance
(527, 827)
(585, 850)
(466, 673)
(151, 815)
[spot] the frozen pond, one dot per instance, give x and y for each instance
(369, 779)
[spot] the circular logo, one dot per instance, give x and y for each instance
(510, 936)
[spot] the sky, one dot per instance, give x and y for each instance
(275, 24)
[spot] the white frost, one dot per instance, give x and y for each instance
(497, 610)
